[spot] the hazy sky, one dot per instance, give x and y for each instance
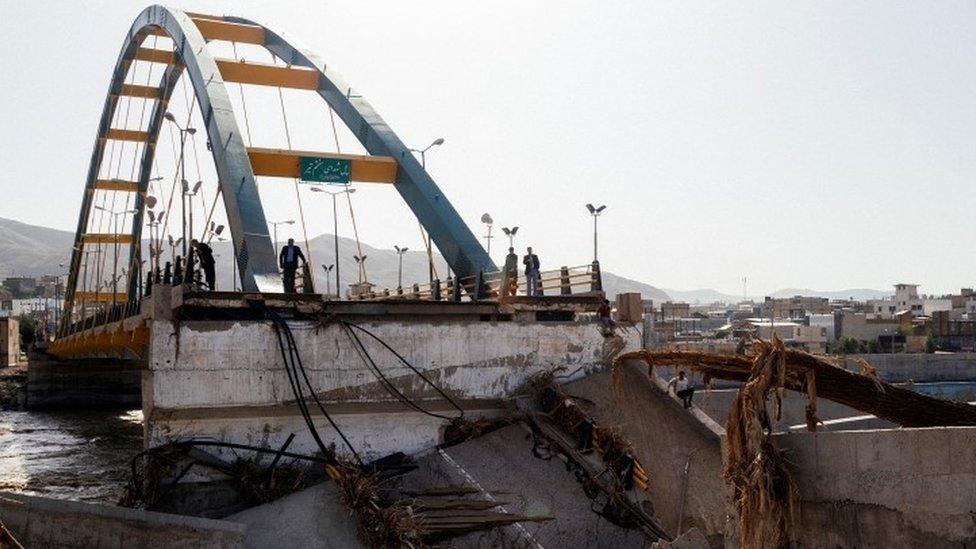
(811, 144)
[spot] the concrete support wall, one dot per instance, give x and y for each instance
(886, 488)
(226, 379)
(667, 439)
(918, 367)
(46, 522)
(90, 382)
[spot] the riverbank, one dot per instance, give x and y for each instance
(13, 387)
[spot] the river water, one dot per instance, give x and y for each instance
(70, 454)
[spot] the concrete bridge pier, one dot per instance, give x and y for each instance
(91, 382)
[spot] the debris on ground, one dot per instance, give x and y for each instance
(765, 494)
(13, 387)
(866, 393)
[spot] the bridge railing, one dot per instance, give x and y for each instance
(581, 279)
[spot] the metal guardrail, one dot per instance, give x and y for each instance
(489, 286)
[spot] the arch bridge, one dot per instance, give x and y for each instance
(91, 304)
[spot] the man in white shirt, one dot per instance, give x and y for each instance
(682, 388)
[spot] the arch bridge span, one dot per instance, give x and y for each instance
(237, 165)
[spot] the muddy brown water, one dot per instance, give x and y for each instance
(69, 454)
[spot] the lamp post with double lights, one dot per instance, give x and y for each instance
(400, 251)
(335, 227)
(183, 133)
(115, 239)
(510, 233)
(328, 278)
(595, 212)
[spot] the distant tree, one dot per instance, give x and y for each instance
(740, 348)
(849, 346)
(28, 332)
(930, 344)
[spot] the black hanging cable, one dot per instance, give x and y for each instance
(292, 360)
(404, 361)
(293, 347)
(390, 387)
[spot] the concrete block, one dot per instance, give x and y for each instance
(932, 452)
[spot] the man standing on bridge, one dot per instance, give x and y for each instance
(288, 260)
(206, 258)
(531, 262)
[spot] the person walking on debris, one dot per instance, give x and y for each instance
(510, 273)
(531, 262)
(288, 260)
(603, 315)
(682, 388)
(206, 258)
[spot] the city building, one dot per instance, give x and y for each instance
(906, 298)
(9, 341)
(21, 286)
(794, 307)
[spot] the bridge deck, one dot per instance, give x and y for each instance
(129, 337)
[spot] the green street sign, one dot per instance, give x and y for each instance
(324, 170)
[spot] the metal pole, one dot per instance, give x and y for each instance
(400, 271)
(275, 225)
(594, 237)
(335, 235)
(115, 260)
(182, 179)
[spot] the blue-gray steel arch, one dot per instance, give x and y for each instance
(245, 213)
(459, 246)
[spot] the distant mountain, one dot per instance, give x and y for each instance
(31, 250)
(703, 296)
(614, 284)
(860, 294)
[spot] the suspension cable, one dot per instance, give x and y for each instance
(298, 195)
(247, 122)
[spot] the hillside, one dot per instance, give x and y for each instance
(31, 250)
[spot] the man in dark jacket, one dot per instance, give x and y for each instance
(288, 260)
(206, 258)
(510, 274)
(531, 262)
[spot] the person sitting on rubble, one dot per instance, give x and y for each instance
(682, 388)
(604, 317)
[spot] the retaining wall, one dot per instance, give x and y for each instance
(885, 488)
(91, 382)
(226, 379)
(46, 522)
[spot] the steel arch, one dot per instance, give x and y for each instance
(454, 239)
(252, 243)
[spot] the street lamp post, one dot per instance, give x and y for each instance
(275, 224)
(400, 251)
(115, 239)
(335, 227)
(595, 212)
(183, 133)
(423, 163)
(487, 220)
(510, 233)
(328, 278)
(423, 152)
(361, 261)
(188, 200)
